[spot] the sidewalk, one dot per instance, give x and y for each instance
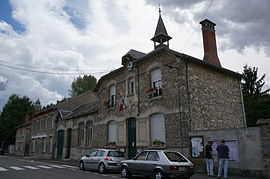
(76, 163)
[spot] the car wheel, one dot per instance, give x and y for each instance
(81, 165)
(159, 174)
(125, 173)
(102, 168)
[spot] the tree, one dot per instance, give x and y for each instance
(82, 84)
(13, 114)
(256, 101)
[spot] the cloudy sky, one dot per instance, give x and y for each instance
(45, 44)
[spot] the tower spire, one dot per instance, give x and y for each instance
(159, 10)
(161, 36)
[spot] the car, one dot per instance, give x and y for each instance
(158, 164)
(102, 160)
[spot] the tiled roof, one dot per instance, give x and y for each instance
(135, 54)
(84, 109)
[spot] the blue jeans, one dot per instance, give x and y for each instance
(223, 162)
(209, 166)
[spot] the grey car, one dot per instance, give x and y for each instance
(158, 164)
(102, 160)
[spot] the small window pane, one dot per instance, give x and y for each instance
(153, 156)
(141, 156)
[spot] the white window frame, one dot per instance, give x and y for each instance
(130, 86)
(112, 129)
(112, 96)
(156, 82)
(157, 128)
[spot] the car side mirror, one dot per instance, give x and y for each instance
(87, 155)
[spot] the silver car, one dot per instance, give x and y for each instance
(158, 163)
(102, 160)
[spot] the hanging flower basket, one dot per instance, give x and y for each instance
(150, 90)
(158, 142)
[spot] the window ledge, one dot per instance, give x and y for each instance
(156, 98)
(157, 147)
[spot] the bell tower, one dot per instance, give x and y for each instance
(161, 37)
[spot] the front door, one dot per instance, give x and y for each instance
(131, 125)
(69, 134)
(60, 143)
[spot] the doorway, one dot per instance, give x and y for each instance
(131, 130)
(69, 135)
(60, 144)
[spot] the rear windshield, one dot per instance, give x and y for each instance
(115, 154)
(175, 157)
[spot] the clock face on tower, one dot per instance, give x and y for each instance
(130, 66)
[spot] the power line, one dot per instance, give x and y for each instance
(212, 1)
(77, 70)
(51, 73)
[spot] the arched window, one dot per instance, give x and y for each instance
(156, 82)
(157, 129)
(89, 132)
(112, 133)
(81, 134)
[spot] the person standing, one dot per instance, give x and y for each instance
(223, 158)
(209, 158)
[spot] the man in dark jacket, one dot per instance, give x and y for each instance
(209, 158)
(223, 158)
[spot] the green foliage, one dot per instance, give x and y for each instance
(13, 114)
(82, 84)
(256, 101)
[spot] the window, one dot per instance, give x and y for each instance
(130, 86)
(157, 129)
(44, 145)
(141, 156)
(89, 132)
(49, 122)
(111, 132)
(43, 123)
(33, 145)
(100, 153)
(116, 154)
(152, 156)
(37, 125)
(112, 96)
(156, 82)
(93, 153)
(175, 157)
(81, 134)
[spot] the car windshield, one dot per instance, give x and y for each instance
(175, 157)
(115, 154)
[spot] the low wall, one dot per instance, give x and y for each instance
(245, 145)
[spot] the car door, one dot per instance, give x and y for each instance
(150, 163)
(136, 165)
(96, 159)
(88, 161)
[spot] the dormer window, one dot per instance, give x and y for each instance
(112, 95)
(156, 82)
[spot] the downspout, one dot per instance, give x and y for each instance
(138, 90)
(242, 102)
(188, 96)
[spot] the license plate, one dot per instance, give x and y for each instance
(182, 169)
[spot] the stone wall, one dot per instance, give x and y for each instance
(264, 125)
(215, 99)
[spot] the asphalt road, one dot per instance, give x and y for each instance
(13, 168)
(16, 168)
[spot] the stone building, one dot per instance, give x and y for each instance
(155, 99)
(74, 126)
(23, 138)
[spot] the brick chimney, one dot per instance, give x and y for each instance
(209, 42)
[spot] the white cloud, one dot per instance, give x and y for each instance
(93, 35)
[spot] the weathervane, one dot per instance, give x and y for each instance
(159, 10)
